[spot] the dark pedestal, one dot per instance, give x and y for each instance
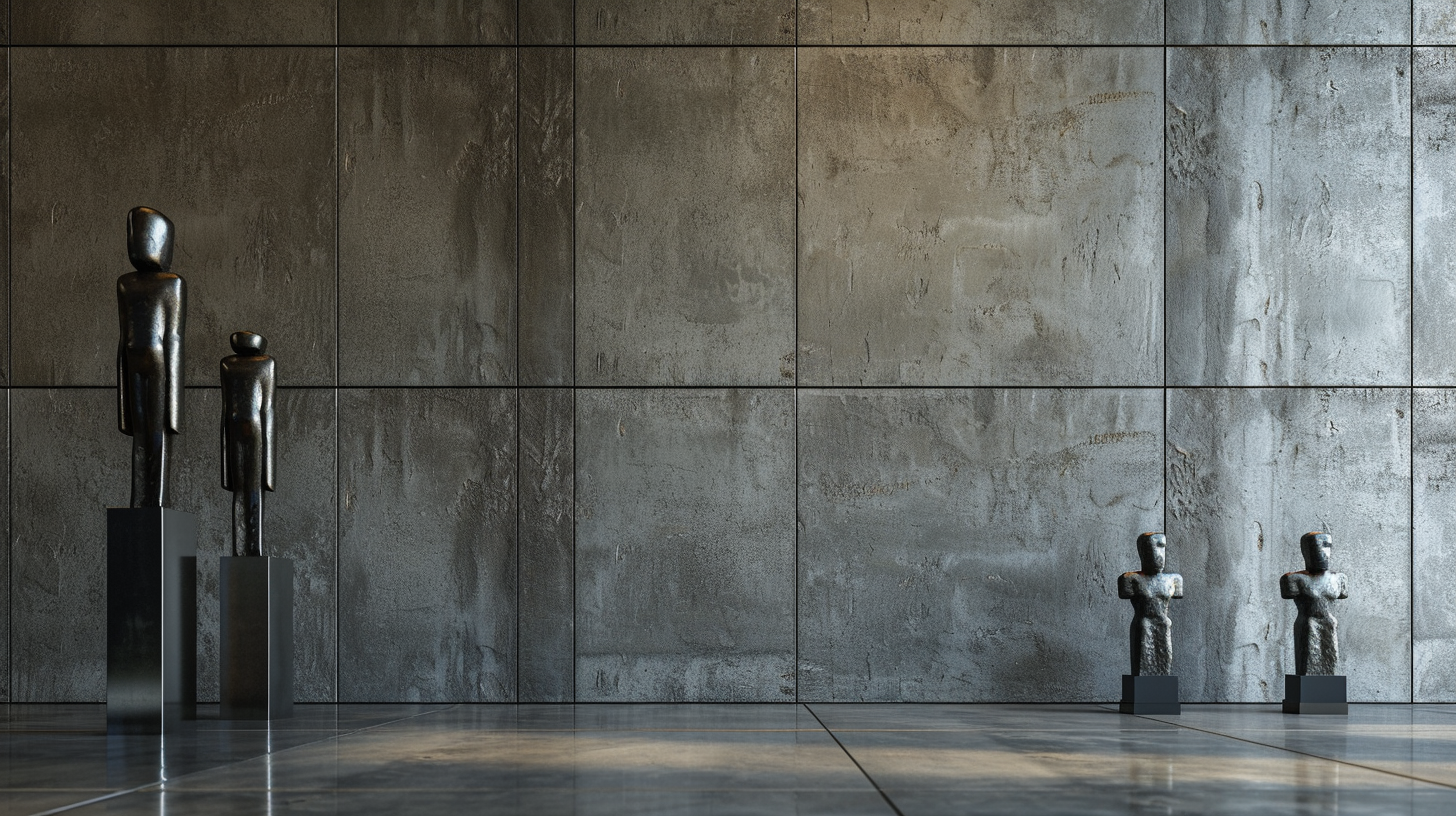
(1150, 694)
(257, 638)
(1315, 694)
(151, 619)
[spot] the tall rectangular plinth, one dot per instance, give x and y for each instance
(1150, 694)
(151, 619)
(257, 638)
(1315, 694)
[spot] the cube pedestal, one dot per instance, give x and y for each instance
(1315, 694)
(1150, 694)
(257, 638)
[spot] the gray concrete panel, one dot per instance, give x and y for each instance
(964, 545)
(685, 216)
(1275, 22)
(547, 185)
(973, 22)
(427, 216)
(983, 216)
(427, 22)
(548, 545)
(1435, 22)
(300, 523)
(427, 545)
(173, 22)
(1434, 619)
(1248, 472)
(68, 464)
(685, 545)
(5, 218)
(547, 22)
(685, 22)
(1434, 286)
(6, 678)
(1289, 216)
(235, 145)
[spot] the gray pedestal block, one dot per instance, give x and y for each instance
(151, 619)
(257, 638)
(1315, 694)
(1150, 694)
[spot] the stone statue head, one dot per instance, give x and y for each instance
(246, 342)
(149, 240)
(1153, 552)
(1316, 549)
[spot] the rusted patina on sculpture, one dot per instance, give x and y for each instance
(1314, 590)
(1150, 590)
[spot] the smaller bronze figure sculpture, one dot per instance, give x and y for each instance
(247, 436)
(1150, 590)
(1313, 590)
(152, 304)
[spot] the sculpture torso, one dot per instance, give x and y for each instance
(1316, 637)
(1152, 629)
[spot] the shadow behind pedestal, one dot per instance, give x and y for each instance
(151, 619)
(257, 638)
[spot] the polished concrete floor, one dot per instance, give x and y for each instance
(739, 759)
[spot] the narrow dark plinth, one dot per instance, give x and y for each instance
(257, 638)
(1315, 694)
(1150, 694)
(151, 619)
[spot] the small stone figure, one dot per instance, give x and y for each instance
(1316, 643)
(1150, 590)
(247, 436)
(152, 304)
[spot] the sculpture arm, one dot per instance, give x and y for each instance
(1288, 586)
(177, 325)
(1344, 587)
(1177, 586)
(268, 446)
(123, 421)
(1126, 588)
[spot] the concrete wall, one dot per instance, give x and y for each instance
(775, 350)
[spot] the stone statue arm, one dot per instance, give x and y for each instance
(123, 421)
(1177, 586)
(268, 446)
(1127, 585)
(176, 325)
(1288, 586)
(1344, 585)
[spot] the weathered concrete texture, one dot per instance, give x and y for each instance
(5, 215)
(427, 22)
(174, 22)
(1434, 619)
(300, 523)
(545, 190)
(972, 22)
(546, 22)
(1434, 287)
(1248, 472)
(685, 22)
(980, 216)
(235, 145)
(427, 545)
(1435, 22)
(547, 530)
(6, 678)
(685, 216)
(965, 545)
(1289, 220)
(1276, 22)
(427, 216)
(685, 545)
(68, 464)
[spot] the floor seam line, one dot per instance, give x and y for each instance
(868, 778)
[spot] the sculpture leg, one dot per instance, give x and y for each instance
(1301, 645)
(148, 467)
(248, 502)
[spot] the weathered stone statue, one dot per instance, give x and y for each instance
(1150, 590)
(152, 303)
(247, 436)
(1313, 589)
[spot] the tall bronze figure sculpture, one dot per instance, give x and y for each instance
(247, 436)
(1313, 686)
(152, 304)
(1151, 688)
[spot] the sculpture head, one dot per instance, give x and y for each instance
(1153, 552)
(149, 240)
(1316, 549)
(246, 342)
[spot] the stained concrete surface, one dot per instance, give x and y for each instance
(427, 22)
(965, 544)
(427, 545)
(1248, 472)
(546, 189)
(547, 535)
(1434, 285)
(685, 545)
(235, 145)
(984, 216)
(684, 216)
(1434, 556)
(427, 216)
(547, 22)
(173, 22)
(1435, 22)
(1274, 22)
(976, 22)
(685, 22)
(1288, 216)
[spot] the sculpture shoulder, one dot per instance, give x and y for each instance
(1293, 583)
(1129, 584)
